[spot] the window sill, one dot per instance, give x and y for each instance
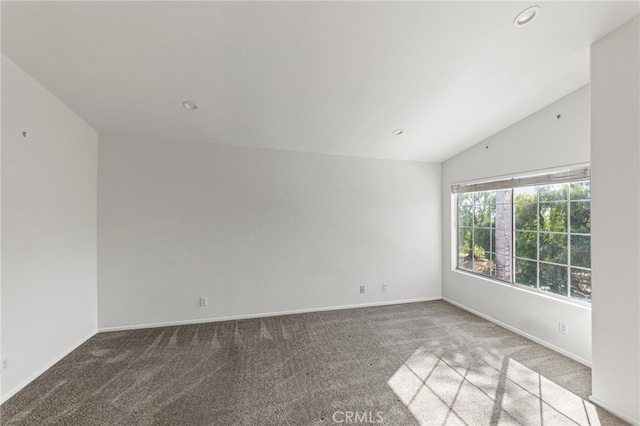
(520, 287)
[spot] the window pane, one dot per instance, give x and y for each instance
(527, 216)
(553, 278)
(482, 243)
(581, 191)
(553, 192)
(483, 215)
(485, 197)
(525, 194)
(581, 284)
(526, 272)
(502, 216)
(527, 245)
(465, 209)
(553, 217)
(464, 248)
(581, 217)
(484, 208)
(553, 248)
(493, 240)
(503, 196)
(465, 198)
(503, 267)
(502, 242)
(581, 251)
(483, 266)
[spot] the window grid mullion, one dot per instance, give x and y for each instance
(538, 239)
(473, 234)
(513, 237)
(569, 279)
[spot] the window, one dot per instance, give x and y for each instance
(533, 231)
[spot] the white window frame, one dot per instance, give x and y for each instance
(567, 174)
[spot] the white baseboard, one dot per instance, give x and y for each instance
(625, 417)
(7, 395)
(522, 333)
(262, 315)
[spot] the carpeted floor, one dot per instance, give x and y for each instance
(425, 363)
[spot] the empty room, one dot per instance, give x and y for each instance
(320, 213)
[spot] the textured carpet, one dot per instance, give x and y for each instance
(422, 363)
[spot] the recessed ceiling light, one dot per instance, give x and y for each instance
(189, 105)
(398, 132)
(526, 16)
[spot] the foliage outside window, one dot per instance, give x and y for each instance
(537, 236)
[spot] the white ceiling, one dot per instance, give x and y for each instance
(324, 77)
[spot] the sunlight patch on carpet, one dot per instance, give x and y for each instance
(463, 388)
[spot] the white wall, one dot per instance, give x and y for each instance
(258, 231)
(540, 141)
(1, 60)
(49, 218)
(615, 207)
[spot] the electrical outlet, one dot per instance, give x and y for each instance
(5, 364)
(361, 289)
(563, 328)
(384, 288)
(203, 301)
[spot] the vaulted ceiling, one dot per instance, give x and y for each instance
(323, 77)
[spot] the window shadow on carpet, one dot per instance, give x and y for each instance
(474, 387)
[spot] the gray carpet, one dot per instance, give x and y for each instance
(425, 363)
